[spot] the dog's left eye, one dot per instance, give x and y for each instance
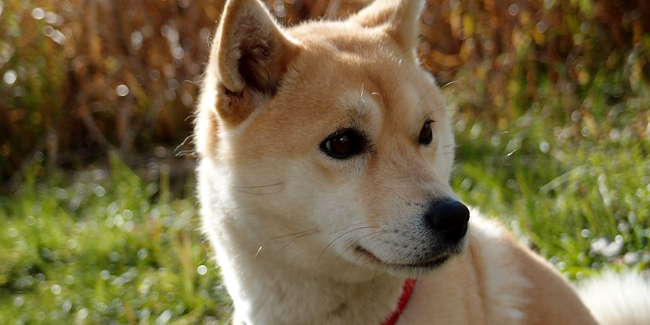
(344, 144)
(426, 134)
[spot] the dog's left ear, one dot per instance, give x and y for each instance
(400, 18)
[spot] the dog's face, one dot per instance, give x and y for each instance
(328, 143)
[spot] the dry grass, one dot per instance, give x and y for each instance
(85, 77)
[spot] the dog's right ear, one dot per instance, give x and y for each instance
(250, 54)
(400, 19)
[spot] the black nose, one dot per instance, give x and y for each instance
(448, 218)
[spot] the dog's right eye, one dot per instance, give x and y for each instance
(344, 144)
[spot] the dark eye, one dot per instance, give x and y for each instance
(344, 144)
(426, 134)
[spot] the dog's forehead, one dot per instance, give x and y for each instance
(361, 72)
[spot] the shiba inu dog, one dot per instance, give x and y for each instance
(325, 157)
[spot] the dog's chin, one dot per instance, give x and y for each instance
(415, 268)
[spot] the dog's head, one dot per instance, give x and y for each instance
(327, 143)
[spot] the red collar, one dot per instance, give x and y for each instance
(407, 291)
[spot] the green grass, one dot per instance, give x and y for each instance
(103, 246)
(565, 198)
(568, 170)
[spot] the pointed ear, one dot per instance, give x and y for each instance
(400, 18)
(250, 54)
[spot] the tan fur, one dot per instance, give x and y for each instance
(302, 238)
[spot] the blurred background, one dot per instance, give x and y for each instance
(97, 212)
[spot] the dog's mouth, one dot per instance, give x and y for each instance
(431, 263)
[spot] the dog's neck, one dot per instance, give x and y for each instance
(267, 291)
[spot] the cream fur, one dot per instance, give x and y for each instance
(302, 238)
(628, 298)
